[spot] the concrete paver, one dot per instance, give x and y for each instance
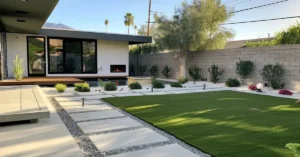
(173, 150)
(78, 98)
(96, 115)
(110, 124)
(79, 103)
(123, 139)
(86, 108)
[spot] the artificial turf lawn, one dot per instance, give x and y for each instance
(224, 123)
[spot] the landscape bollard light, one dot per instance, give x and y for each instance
(83, 102)
(204, 86)
(151, 88)
(259, 87)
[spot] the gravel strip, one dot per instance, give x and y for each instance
(115, 130)
(136, 148)
(85, 144)
(172, 139)
(90, 120)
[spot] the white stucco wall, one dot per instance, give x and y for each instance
(108, 53)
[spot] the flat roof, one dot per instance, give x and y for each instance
(25, 16)
(63, 33)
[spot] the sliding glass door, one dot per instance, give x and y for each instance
(72, 56)
(36, 56)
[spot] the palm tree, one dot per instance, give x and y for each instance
(135, 27)
(106, 23)
(129, 20)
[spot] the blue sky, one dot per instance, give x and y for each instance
(90, 15)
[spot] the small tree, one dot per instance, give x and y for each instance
(18, 68)
(166, 71)
(153, 70)
(273, 75)
(142, 69)
(194, 72)
(215, 73)
(244, 68)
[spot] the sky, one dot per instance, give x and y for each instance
(90, 15)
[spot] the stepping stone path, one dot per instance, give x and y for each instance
(119, 134)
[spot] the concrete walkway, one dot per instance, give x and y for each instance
(118, 134)
(47, 138)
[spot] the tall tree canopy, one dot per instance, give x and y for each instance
(129, 20)
(195, 26)
(106, 23)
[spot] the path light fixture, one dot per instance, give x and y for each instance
(259, 87)
(83, 102)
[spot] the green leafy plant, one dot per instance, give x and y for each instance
(18, 68)
(194, 72)
(110, 86)
(82, 87)
(60, 88)
(214, 73)
(182, 80)
(153, 70)
(101, 83)
(273, 75)
(244, 68)
(261, 43)
(142, 69)
(157, 83)
(135, 85)
(295, 148)
(176, 84)
(166, 71)
(232, 82)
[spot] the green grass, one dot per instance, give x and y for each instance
(223, 124)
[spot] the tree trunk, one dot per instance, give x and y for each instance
(183, 59)
(106, 28)
(128, 29)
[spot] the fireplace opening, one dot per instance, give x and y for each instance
(118, 68)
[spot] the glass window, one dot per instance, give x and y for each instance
(73, 56)
(89, 57)
(36, 55)
(56, 60)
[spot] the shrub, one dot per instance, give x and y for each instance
(157, 84)
(273, 75)
(285, 92)
(182, 80)
(232, 82)
(244, 68)
(135, 85)
(101, 83)
(60, 88)
(142, 69)
(194, 72)
(176, 84)
(82, 87)
(153, 70)
(214, 73)
(110, 86)
(295, 148)
(18, 68)
(166, 71)
(252, 87)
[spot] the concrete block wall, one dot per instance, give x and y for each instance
(288, 55)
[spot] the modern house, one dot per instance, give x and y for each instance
(58, 53)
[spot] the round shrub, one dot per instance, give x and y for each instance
(252, 87)
(182, 80)
(157, 84)
(232, 82)
(82, 87)
(60, 87)
(176, 85)
(135, 85)
(285, 92)
(110, 86)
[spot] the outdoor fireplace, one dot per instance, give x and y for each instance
(118, 68)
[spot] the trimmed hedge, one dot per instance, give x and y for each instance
(110, 86)
(157, 84)
(82, 87)
(135, 85)
(176, 84)
(60, 87)
(232, 82)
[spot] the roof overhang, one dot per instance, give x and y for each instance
(25, 16)
(131, 39)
